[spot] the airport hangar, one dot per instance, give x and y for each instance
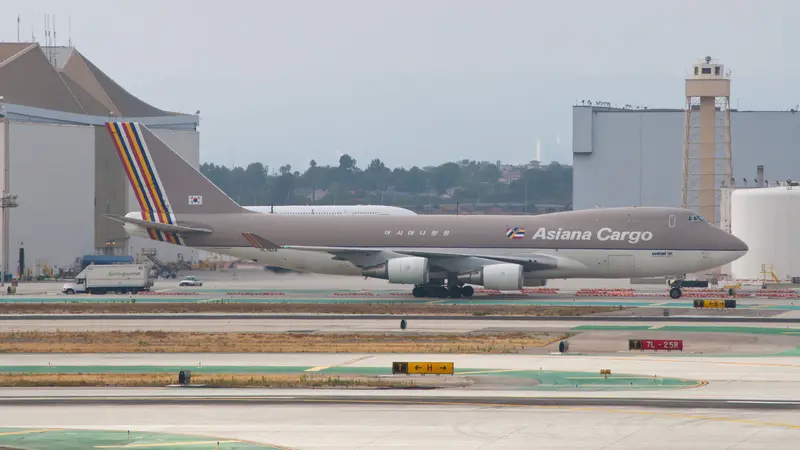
(633, 157)
(61, 163)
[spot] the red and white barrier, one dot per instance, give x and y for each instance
(168, 294)
(253, 294)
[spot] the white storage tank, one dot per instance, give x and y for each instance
(767, 220)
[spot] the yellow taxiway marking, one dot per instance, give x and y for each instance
(346, 363)
(10, 433)
(166, 444)
(617, 377)
(488, 371)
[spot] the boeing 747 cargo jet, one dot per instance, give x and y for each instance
(441, 255)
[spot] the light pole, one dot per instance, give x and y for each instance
(6, 201)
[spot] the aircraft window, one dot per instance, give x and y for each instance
(671, 221)
(696, 218)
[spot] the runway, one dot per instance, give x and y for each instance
(350, 323)
(458, 427)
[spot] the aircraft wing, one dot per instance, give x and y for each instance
(370, 256)
(157, 226)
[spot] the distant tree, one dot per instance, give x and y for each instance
(346, 162)
(475, 183)
(312, 165)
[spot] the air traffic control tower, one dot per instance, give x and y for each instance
(707, 163)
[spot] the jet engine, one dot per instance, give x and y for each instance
(535, 282)
(406, 270)
(502, 277)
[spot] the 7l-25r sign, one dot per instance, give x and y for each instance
(655, 344)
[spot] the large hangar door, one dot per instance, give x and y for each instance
(620, 265)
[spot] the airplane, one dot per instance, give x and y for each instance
(355, 210)
(441, 255)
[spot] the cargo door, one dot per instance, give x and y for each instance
(621, 265)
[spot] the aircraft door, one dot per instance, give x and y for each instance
(622, 265)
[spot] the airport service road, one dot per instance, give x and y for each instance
(434, 427)
(764, 305)
(431, 324)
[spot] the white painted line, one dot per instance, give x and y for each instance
(764, 402)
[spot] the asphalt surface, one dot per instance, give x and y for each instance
(449, 427)
(321, 400)
(742, 402)
(396, 317)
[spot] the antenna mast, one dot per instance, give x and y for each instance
(18, 20)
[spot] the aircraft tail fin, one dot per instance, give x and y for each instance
(164, 183)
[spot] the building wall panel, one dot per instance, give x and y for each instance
(51, 169)
(636, 157)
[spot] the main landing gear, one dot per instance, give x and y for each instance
(675, 289)
(439, 291)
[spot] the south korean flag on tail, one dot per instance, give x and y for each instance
(196, 200)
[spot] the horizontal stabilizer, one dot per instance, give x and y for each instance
(259, 242)
(158, 226)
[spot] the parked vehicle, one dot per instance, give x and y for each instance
(101, 279)
(191, 281)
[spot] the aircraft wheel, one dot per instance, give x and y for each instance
(675, 293)
(439, 292)
(454, 292)
(418, 291)
(467, 291)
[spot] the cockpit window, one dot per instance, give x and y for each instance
(696, 218)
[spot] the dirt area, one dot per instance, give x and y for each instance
(287, 381)
(300, 308)
(190, 342)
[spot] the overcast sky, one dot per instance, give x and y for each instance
(415, 81)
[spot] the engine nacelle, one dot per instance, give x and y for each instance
(502, 277)
(535, 282)
(406, 270)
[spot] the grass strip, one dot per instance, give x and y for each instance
(196, 342)
(286, 381)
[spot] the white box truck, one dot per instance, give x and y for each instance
(119, 278)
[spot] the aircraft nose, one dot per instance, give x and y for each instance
(737, 245)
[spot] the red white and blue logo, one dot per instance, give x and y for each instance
(195, 199)
(515, 233)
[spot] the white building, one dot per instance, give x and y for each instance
(767, 219)
(58, 159)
